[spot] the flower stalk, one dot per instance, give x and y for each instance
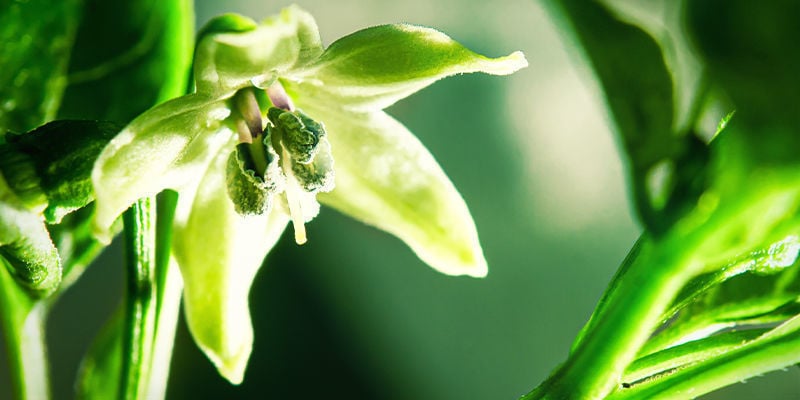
(141, 299)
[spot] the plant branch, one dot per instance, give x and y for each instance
(625, 321)
(169, 287)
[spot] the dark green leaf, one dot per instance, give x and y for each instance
(668, 167)
(128, 56)
(752, 53)
(35, 43)
(98, 377)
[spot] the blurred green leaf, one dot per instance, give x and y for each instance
(667, 167)
(101, 367)
(35, 44)
(128, 56)
(752, 53)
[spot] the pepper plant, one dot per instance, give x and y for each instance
(203, 148)
(270, 124)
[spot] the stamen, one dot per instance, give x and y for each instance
(247, 105)
(243, 132)
(279, 97)
(293, 198)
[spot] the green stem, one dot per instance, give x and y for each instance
(140, 308)
(22, 320)
(630, 314)
(170, 289)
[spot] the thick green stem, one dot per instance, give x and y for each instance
(22, 320)
(633, 309)
(141, 295)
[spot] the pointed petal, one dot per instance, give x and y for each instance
(373, 68)
(387, 178)
(162, 148)
(219, 252)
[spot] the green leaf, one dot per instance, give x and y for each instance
(740, 295)
(36, 37)
(373, 68)
(630, 67)
(750, 53)
(121, 66)
(166, 147)
(227, 61)
(98, 377)
(668, 167)
(385, 177)
(219, 252)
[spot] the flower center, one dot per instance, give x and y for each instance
(291, 156)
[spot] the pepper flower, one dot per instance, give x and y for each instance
(277, 125)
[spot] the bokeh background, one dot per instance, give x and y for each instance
(354, 314)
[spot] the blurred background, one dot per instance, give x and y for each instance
(354, 314)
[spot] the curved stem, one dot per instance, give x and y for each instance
(629, 315)
(141, 296)
(22, 321)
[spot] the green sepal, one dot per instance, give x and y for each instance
(19, 172)
(375, 67)
(54, 163)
